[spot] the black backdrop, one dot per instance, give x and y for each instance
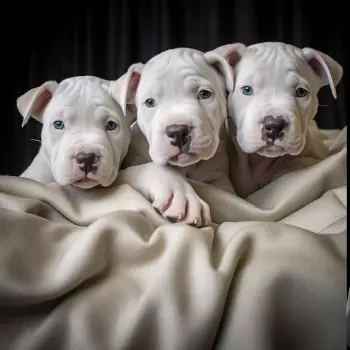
(57, 39)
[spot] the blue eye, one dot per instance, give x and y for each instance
(247, 90)
(111, 125)
(58, 124)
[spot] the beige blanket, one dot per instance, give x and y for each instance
(99, 269)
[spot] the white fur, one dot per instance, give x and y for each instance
(275, 71)
(174, 79)
(85, 105)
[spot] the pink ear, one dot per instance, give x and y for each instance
(34, 101)
(124, 89)
(224, 58)
(326, 68)
(232, 52)
(222, 66)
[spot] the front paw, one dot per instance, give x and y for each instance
(182, 205)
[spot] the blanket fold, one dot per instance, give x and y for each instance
(100, 269)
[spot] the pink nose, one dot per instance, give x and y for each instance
(86, 161)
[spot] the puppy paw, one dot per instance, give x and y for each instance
(169, 192)
(178, 202)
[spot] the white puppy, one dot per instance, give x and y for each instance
(273, 105)
(85, 137)
(180, 98)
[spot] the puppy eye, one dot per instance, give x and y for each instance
(247, 90)
(111, 125)
(301, 92)
(204, 94)
(150, 103)
(58, 124)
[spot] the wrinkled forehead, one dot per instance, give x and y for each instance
(83, 96)
(180, 69)
(272, 61)
(83, 92)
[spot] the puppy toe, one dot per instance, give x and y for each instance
(194, 212)
(205, 213)
(177, 207)
(163, 200)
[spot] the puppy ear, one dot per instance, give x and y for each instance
(232, 52)
(224, 58)
(123, 90)
(326, 68)
(34, 101)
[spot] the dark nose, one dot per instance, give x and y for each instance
(179, 133)
(273, 127)
(87, 161)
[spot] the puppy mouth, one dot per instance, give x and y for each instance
(87, 180)
(272, 148)
(84, 180)
(272, 151)
(85, 183)
(194, 149)
(182, 155)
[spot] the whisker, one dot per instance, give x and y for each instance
(323, 105)
(35, 140)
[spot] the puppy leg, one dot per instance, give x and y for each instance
(169, 192)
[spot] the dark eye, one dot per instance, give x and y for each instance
(247, 90)
(150, 103)
(111, 125)
(58, 124)
(204, 94)
(300, 92)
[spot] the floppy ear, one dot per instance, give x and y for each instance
(123, 90)
(34, 101)
(232, 52)
(224, 58)
(326, 68)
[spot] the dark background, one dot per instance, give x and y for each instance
(59, 39)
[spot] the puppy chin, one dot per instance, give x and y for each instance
(274, 151)
(85, 184)
(183, 160)
(90, 181)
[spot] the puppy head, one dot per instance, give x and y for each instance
(85, 134)
(180, 96)
(275, 95)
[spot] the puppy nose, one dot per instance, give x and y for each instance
(178, 133)
(273, 127)
(87, 161)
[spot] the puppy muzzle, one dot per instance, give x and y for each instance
(86, 166)
(271, 132)
(181, 138)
